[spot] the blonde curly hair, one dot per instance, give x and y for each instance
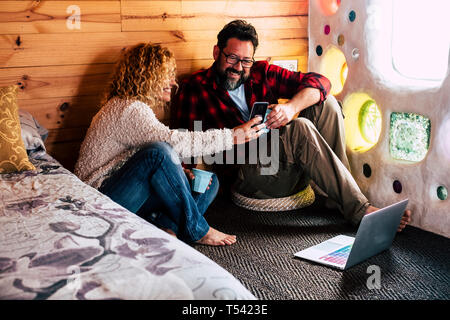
(141, 74)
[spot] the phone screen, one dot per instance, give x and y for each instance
(259, 109)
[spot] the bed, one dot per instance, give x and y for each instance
(62, 239)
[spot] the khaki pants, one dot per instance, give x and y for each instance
(311, 146)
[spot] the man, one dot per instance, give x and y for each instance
(311, 129)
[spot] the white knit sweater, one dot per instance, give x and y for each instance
(122, 127)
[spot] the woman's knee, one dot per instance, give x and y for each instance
(160, 146)
(163, 149)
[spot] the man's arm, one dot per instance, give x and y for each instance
(283, 113)
(302, 89)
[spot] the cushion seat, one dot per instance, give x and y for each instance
(299, 200)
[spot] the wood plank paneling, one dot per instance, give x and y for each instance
(63, 112)
(52, 16)
(66, 135)
(73, 80)
(83, 80)
(62, 71)
(68, 49)
(195, 15)
(57, 81)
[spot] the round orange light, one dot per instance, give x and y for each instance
(329, 7)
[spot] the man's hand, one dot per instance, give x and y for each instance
(280, 115)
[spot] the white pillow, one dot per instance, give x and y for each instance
(33, 134)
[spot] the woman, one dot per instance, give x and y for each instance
(133, 158)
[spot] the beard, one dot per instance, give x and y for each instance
(231, 84)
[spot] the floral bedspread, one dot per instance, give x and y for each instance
(62, 239)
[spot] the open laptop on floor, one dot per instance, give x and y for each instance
(375, 234)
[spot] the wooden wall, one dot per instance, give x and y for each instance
(62, 69)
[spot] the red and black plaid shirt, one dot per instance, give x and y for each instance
(201, 98)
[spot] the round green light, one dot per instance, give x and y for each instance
(369, 121)
(442, 193)
(352, 16)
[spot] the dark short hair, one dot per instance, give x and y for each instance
(239, 29)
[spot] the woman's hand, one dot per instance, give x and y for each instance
(248, 131)
(191, 176)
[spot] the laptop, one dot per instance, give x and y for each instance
(375, 234)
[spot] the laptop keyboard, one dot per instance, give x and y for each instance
(339, 256)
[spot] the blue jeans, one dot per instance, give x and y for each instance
(153, 185)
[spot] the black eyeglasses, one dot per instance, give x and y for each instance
(233, 59)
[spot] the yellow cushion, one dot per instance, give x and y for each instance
(13, 155)
(296, 201)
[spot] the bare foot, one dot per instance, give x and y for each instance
(403, 222)
(216, 238)
(371, 209)
(169, 231)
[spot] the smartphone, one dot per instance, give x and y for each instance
(260, 109)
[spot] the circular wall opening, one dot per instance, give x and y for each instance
(329, 7)
(334, 66)
(355, 53)
(363, 122)
(352, 16)
(369, 121)
(319, 50)
(367, 170)
(397, 186)
(442, 193)
(341, 39)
